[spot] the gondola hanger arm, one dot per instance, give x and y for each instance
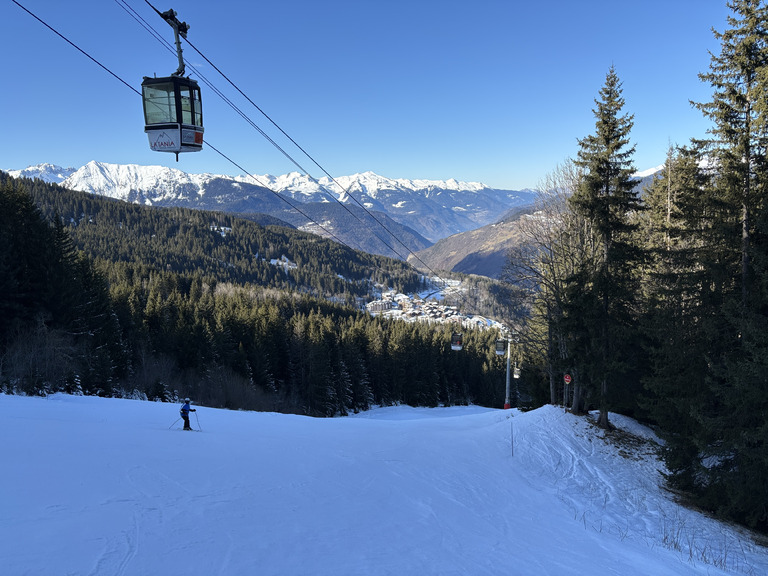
(180, 29)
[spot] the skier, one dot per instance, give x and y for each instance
(185, 410)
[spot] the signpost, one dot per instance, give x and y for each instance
(507, 404)
(567, 379)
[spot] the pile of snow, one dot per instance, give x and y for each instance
(103, 486)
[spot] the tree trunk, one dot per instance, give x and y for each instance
(550, 366)
(577, 404)
(602, 420)
(552, 387)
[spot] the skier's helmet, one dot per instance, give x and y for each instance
(186, 399)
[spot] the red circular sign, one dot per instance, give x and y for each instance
(567, 378)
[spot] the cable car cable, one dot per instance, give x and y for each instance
(284, 199)
(331, 234)
(345, 191)
(124, 4)
(315, 162)
(105, 68)
(76, 46)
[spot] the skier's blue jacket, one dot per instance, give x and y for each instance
(185, 409)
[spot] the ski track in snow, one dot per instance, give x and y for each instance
(105, 488)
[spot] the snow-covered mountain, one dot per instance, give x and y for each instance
(433, 208)
(150, 185)
(417, 212)
(46, 172)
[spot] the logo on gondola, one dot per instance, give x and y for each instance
(163, 141)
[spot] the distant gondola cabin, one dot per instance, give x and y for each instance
(173, 114)
(501, 347)
(457, 340)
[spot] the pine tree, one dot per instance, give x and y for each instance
(679, 307)
(606, 198)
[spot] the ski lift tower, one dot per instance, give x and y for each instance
(516, 374)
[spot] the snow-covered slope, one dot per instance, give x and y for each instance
(103, 486)
(649, 172)
(134, 183)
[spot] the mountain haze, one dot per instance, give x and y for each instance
(482, 251)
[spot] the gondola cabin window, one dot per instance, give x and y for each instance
(159, 103)
(191, 110)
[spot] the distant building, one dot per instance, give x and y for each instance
(380, 306)
(223, 230)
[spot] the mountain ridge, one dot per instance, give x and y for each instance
(484, 250)
(432, 208)
(448, 224)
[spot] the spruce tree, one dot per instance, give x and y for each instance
(739, 112)
(734, 441)
(708, 285)
(606, 198)
(680, 307)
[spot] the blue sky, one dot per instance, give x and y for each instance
(496, 91)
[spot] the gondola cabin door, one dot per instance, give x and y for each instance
(173, 114)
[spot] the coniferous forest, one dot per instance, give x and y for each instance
(653, 302)
(656, 304)
(108, 298)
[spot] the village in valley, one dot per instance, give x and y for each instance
(430, 307)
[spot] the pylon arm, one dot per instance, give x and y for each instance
(179, 29)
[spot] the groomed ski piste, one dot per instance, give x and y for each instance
(94, 486)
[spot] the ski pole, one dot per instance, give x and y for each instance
(198, 421)
(174, 423)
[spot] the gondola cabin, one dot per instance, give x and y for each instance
(457, 340)
(173, 114)
(501, 347)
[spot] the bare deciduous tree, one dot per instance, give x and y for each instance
(557, 243)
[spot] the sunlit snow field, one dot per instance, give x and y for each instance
(95, 486)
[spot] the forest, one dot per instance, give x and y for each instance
(656, 304)
(109, 298)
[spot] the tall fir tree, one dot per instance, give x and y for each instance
(683, 290)
(738, 109)
(603, 295)
(737, 430)
(710, 286)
